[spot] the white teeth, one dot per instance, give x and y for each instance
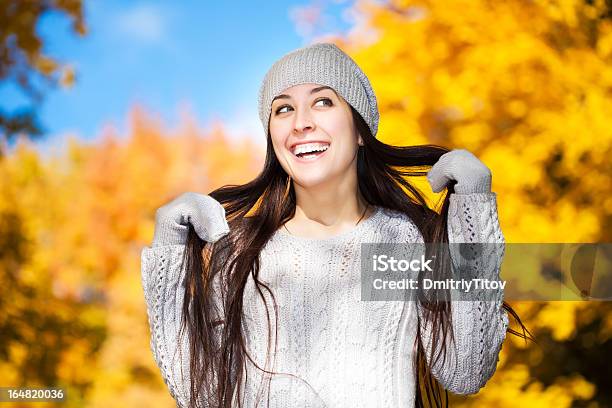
(310, 147)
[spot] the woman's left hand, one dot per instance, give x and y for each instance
(471, 174)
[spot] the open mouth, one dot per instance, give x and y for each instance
(310, 151)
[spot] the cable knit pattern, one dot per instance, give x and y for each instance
(479, 326)
(334, 350)
(161, 277)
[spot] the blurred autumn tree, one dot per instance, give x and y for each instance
(72, 311)
(23, 62)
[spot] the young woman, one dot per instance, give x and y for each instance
(253, 291)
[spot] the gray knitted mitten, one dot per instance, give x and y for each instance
(205, 213)
(471, 174)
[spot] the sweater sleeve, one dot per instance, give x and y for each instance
(163, 281)
(162, 278)
(479, 327)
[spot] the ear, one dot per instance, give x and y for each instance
(359, 140)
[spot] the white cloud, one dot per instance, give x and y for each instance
(245, 123)
(144, 22)
(307, 19)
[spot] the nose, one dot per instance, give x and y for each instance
(303, 121)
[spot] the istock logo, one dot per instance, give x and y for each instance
(382, 263)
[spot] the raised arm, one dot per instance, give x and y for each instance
(163, 280)
(479, 326)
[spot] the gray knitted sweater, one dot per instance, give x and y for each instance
(335, 349)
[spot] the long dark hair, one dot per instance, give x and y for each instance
(212, 313)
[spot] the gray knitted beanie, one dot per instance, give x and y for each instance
(323, 64)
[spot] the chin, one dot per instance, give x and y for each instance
(309, 181)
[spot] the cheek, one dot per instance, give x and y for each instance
(277, 135)
(279, 151)
(339, 127)
(277, 141)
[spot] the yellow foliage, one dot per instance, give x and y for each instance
(84, 217)
(516, 94)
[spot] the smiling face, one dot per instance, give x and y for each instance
(313, 134)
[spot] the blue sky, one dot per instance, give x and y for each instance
(206, 57)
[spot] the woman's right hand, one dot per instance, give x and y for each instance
(202, 211)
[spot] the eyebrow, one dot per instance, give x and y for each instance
(312, 91)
